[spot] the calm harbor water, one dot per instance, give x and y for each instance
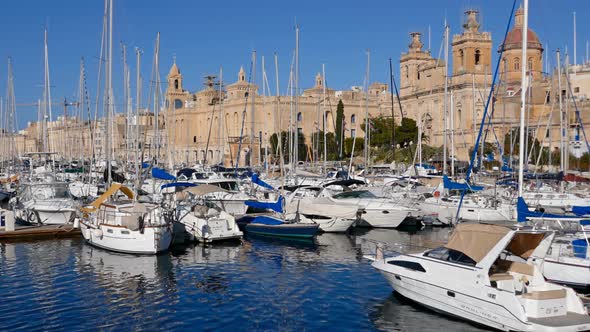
(259, 284)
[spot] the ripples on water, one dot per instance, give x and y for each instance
(260, 284)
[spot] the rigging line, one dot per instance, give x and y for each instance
(475, 149)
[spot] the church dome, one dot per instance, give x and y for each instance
(514, 36)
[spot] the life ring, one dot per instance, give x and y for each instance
(436, 193)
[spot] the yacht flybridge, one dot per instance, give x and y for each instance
(489, 275)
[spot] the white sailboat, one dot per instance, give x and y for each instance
(125, 225)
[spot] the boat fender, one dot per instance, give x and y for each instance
(437, 194)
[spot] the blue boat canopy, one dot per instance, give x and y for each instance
(257, 180)
(161, 174)
(523, 212)
(266, 220)
(450, 185)
(275, 206)
(581, 210)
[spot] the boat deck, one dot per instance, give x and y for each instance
(571, 319)
(23, 232)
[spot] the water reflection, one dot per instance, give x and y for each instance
(397, 313)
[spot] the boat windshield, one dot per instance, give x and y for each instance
(450, 255)
(227, 185)
(355, 194)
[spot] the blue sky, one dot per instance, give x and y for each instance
(207, 35)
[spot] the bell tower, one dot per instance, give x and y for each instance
(472, 52)
(175, 93)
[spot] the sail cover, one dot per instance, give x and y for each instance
(322, 206)
(275, 206)
(450, 185)
(257, 180)
(161, 174)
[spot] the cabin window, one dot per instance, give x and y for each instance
(477, 57)
(109, 230)
(124, 232)
(408, 265)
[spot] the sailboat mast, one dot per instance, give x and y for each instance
(296, 120)
(324, 116)
(157, 97)
(279, 114)
(446, 98)
(108, 88)
(523, 86)
(252, 112)
(138, 162)
(367, 119)
(452, 125)
(561, 114)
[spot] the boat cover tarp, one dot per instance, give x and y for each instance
(523, 212)
(178, 184)
(102, 198)
(204, 189)
(581, 210)
(132, 219)
(275, 206)
(575, 178)
(161, 174)
(257, 180)
(322, 206)
(450, 185)
(346, 183)
(266, 220)
(476, 240)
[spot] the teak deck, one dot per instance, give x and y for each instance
(37, 232)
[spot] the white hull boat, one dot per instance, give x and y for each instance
(567, 261)
(445, 209)
(488, 275)
(207, 224)
(126, 226)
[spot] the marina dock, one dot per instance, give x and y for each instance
(37, 232)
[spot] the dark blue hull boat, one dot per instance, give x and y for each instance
(271, 226)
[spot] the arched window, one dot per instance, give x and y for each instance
(236, 129)
(176, 84)
(459, 116)
(516, 64)
(461, 59)
(530, 64)
(407, 72)
(299, 117)
(353, 119)
(477, 57)
(194, 139)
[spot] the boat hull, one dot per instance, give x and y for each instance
(303, 231)
(574, 272)
(152, 240)
(210, 229)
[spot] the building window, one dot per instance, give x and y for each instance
(353, 119)
(516, 64)
(353, 133)
(577, 89)
(548, 97)
(176, 84)
(177, 103)
(407, 72)
(530, 63)
(547, 133)
(194, 139)
(461, 58)
(299, 117)
(477, 57)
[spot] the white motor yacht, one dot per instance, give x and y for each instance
(46, 202)
(473, 208)
(378, 212)
(126, 226)
(489, 275)
(201, 220)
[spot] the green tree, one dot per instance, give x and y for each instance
(358, 146)
(339, 123)
(301, 149)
